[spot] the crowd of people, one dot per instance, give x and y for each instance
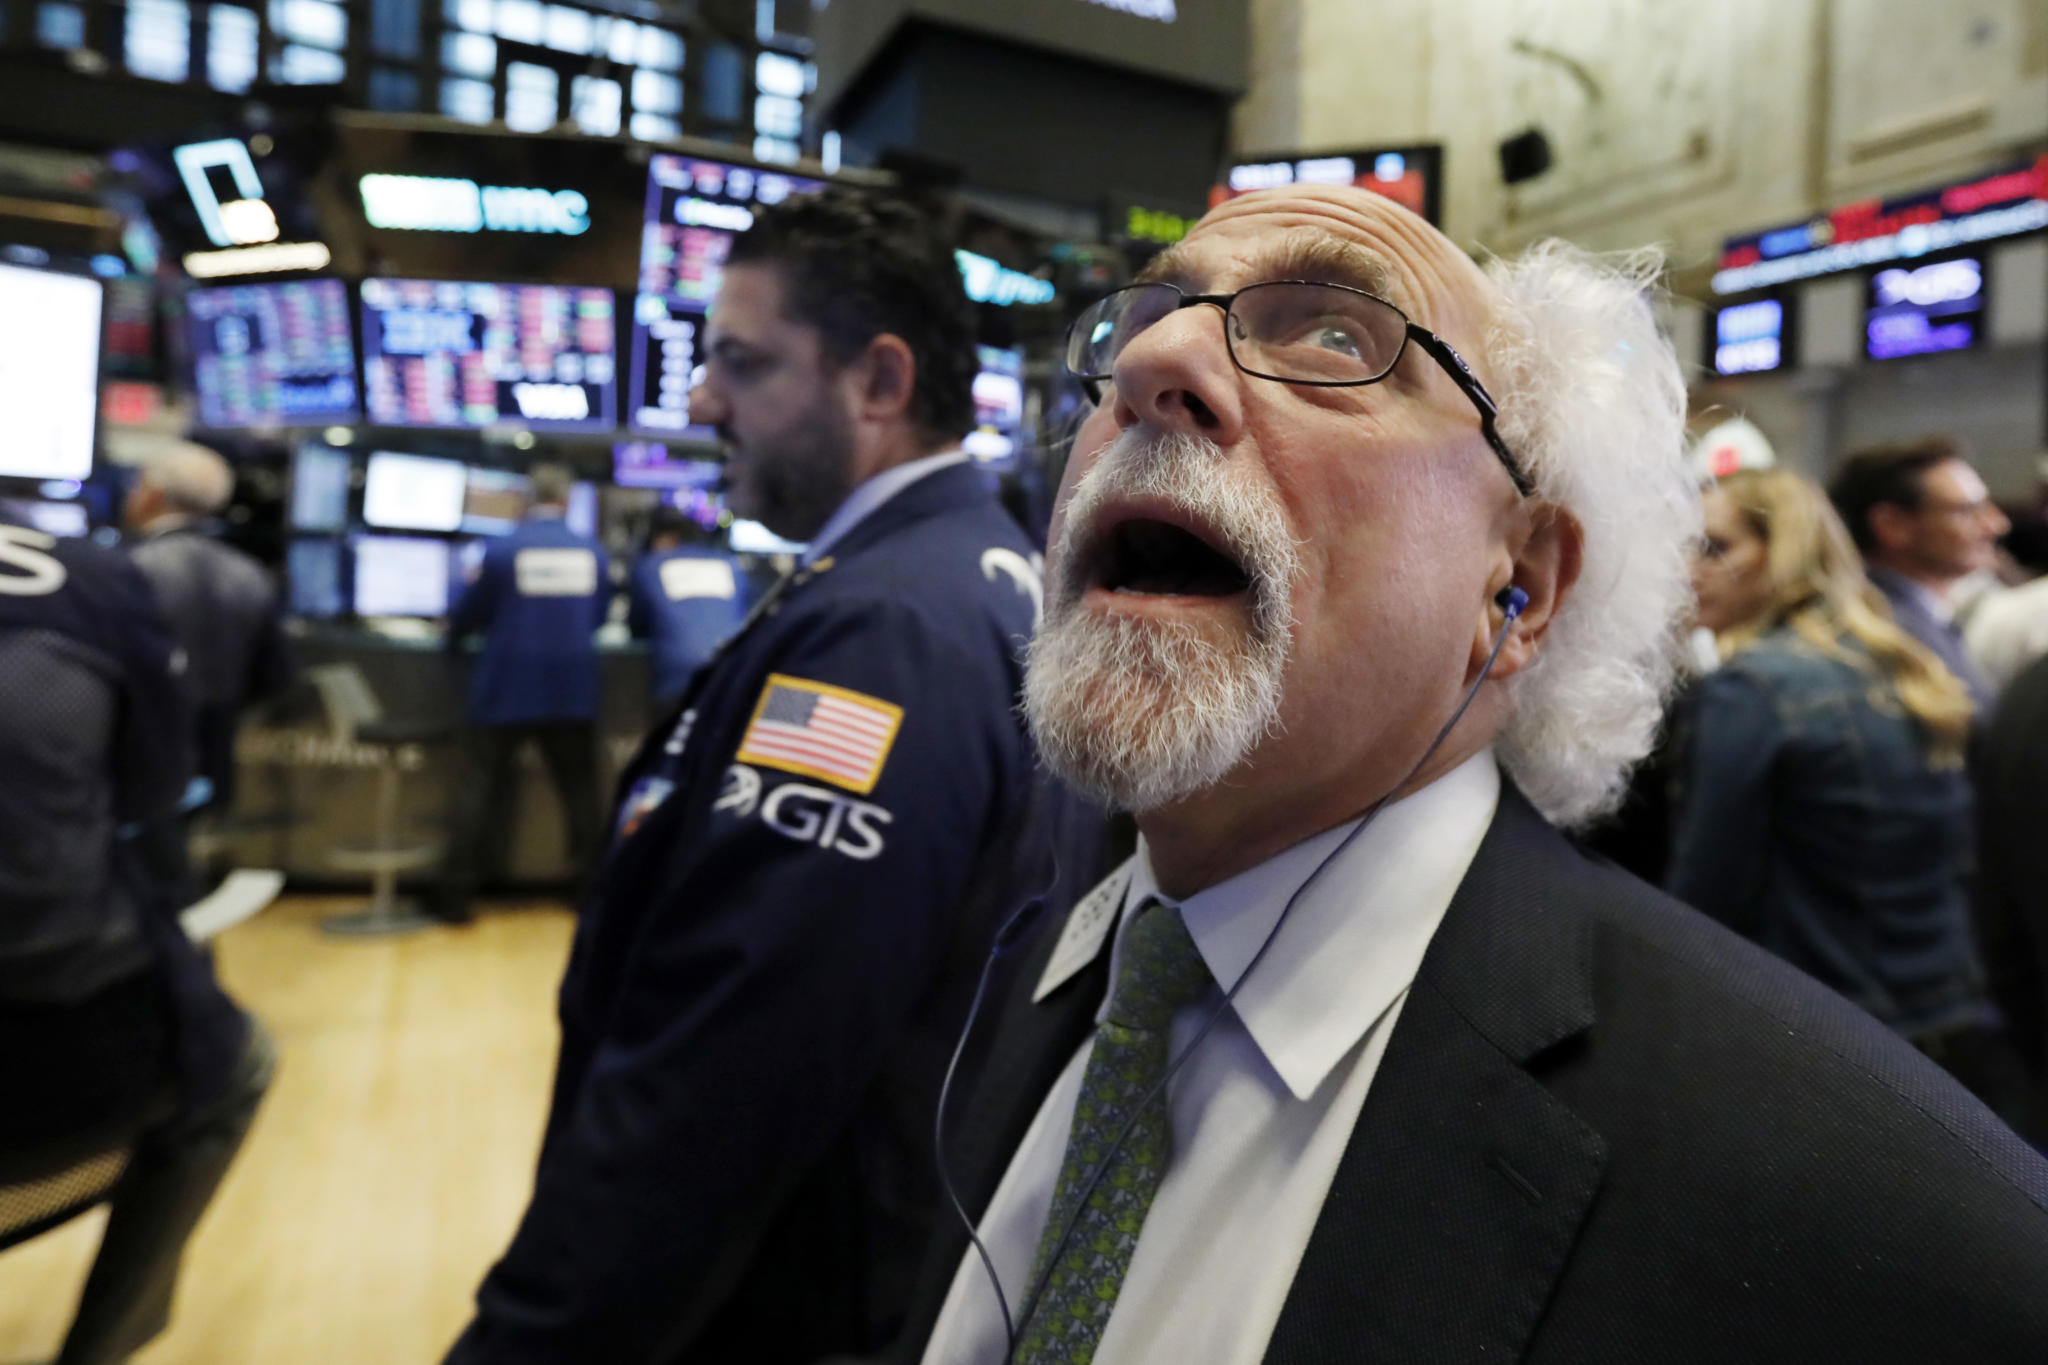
(1370, 578)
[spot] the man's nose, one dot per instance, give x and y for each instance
(1177, 375)
(707, 405)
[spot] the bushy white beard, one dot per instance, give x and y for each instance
(1146, 712)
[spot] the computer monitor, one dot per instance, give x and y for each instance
(278, 354)
(650, 464)
(400, 575)
(313, 572)
(319, 488)
(42, 514)
(443, 354)
(695, 208)
(1924, 309)
(998, 407)
(49, 372)
(414, 492)
(493, 501)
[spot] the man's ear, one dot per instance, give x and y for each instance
(887, 376)
(1891, 525)
(1545, 567)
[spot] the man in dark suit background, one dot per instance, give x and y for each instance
(2012, 785)
(1923, 521)
(1357, 1059)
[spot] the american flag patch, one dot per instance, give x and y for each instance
(820, 730)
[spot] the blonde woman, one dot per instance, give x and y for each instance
(1821, 805)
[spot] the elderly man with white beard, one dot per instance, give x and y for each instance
(1358, 1058)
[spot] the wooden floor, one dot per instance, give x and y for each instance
(388, 1165)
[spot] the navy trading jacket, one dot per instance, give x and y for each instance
(541, 595)
(810, 858)
(686, 602)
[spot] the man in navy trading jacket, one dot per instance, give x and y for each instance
(540, 598)
(810, 855)
(685, 599)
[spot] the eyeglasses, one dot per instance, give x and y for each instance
(1326, 336)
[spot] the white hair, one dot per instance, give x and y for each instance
(194, 479)
(1592, 402)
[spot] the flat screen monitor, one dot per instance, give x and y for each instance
(650, 464)
(437, 354)
(414, 492)
(998, 407)
(51, 518)
(272, 355)
(313, 571)
(1925, 309)
(493, 501)
(49, 372)
(400, 576)
(1751, 338)
(319, 488)
(694, 210)
(1411, 176)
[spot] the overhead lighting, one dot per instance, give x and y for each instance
(257, 260)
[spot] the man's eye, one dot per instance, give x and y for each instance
(1337, 337)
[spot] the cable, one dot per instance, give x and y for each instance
(1512, 601)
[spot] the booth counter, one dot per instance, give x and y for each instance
(307, 781)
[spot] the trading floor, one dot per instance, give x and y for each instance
(400, 1135)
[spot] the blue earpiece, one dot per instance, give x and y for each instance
(1512, 600)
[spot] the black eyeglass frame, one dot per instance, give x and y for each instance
(1434, 346)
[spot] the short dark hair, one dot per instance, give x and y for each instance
(1886, 474)
(857, 265)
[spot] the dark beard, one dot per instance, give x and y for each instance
(793, 485)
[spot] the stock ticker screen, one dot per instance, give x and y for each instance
(694, 210)
(278, 354)
(442, 354)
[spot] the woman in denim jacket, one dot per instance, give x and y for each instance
(1821, 805)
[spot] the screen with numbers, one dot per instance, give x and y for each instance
(273, 355)
(439, 354)
(694, 210)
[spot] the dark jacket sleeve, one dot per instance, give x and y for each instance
(795, 935)
(153, 753)
(478, 606)
(1729, 741)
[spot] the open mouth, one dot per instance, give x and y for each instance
(1141, 555)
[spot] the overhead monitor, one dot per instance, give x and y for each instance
(650, 464)
(313, 572)
(440, 354)
(493, 501)
(694, 210)
(1410, 176)
(1750, 338)
(998, 407)
(266, 355)
(49, 372)
(51, 518)
(1925, 309)
(414, 492)
(400, 576)
(319, 488)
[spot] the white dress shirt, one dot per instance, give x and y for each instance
(1263, 1110)
(862, 501)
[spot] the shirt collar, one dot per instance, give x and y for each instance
(862, 501)
(1356, 939)
(1898, 584)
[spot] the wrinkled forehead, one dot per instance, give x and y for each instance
(1341, 235)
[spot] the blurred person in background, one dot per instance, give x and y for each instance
(114, 1036)
(1923, 522)
(1822, 808)
(812, 852)
(542, 593)
(222, 606)
(685, 599)
(2012, 784)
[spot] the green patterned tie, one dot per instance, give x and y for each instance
(1159, 971)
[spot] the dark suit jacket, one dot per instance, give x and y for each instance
(1940, 636)
(2012, 804)
(1605, 1129)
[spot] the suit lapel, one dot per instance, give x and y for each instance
(1465, 1181)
